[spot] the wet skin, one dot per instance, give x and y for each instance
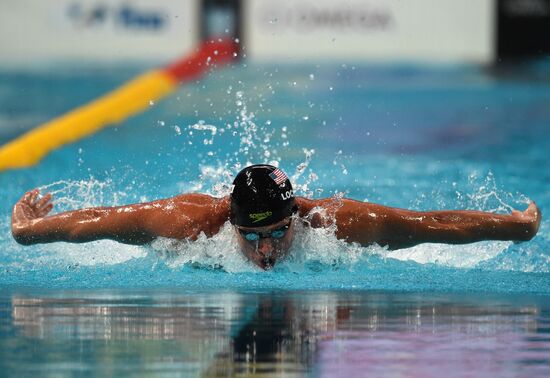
(265, 252)
(187, 216)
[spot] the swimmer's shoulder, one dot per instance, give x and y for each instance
(319, 212)
(186, 216)
(306, 205)
(197, 202)
(325, 211)
(199, 199)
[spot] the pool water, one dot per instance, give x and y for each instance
(440, 137)
(291, 333)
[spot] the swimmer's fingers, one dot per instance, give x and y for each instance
(29, 197)
(44, 210)
(42, 206)
(23, 209)
(531, 219)
(30, 206)
(534, 213)
(532, 208)
(44, 201)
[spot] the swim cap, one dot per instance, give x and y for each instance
(262, 195)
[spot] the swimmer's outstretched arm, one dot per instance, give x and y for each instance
(368, 223)
(181, 217)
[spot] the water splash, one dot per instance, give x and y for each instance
(72, 194)
(338, 161)
(488, 196)
(457, 256)
(218, 252)
(255, 143)
(202, 126)
(316, 247)
(97, 253)
(476, 191)
(215, 181)
(311, 246)
(303, 186)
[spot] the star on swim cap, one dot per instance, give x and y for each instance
(262, 195)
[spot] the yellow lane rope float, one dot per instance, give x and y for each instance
(114, 107)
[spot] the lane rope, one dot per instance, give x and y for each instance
(114, 107)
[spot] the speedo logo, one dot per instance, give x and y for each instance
(260, 216)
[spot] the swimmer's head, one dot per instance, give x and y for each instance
(262, 205)
(262, 195)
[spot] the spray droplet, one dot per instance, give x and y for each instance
(177, 129)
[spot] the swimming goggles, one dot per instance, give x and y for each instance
(275, 234)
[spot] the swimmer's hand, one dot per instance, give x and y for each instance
(29, 209)
(531, 218)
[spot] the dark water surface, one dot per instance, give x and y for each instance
(295, 333)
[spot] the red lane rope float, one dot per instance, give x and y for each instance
(114, 107)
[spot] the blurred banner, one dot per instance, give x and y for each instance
(373, 30)
(97, 30)
(424, 31)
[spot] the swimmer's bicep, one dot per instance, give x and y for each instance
(367, 223)
(360, 222)
(172, 226)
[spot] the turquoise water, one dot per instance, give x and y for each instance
(414, 137)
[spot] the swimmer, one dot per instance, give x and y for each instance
(264, 212)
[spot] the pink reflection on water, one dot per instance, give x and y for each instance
(433, 353)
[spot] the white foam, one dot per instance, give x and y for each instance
(222, 251)
(219, 251)
(321, 245)
(101, 252)
(458, 256)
